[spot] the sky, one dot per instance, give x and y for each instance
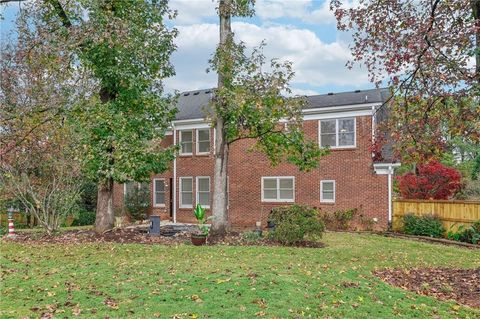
(301, 31)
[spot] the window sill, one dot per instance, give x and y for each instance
(159, 206)
(346, 148)
(278, 201)
(185, 207)
(203, 154)
(327, 203)
(186, 155)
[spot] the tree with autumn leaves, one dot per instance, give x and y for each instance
(122, 50)
(432, 181)
(250, 103)
(428, 52)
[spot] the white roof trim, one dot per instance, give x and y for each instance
(328, 109)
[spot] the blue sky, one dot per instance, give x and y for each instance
(301, 31)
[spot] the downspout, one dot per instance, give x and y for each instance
(390, 172)
(174, 176)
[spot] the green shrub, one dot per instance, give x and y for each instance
(296, 223)
(251, 236)
(340, 219)
(468, 235)
(426, 225)
(84, 218)
(137, 202)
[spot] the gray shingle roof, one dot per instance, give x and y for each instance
(347, 98)
(195, 105)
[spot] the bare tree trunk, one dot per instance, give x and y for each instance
(219, 205)
(105, 217)
(476, 15)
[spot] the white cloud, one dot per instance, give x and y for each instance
(274, 9)
(303, 92)
(308, 11)
(193, 11)
(316, 63)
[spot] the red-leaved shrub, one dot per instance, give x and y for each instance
(434, 181)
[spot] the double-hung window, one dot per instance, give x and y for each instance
(186, 192)
(203, 141)
(337, 133)
(327, 191)
(131, 187)
(203, 191)
(278, 189)
(159, 192)
(186, 142)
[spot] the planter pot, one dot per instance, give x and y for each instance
(199, 240)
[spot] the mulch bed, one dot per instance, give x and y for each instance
(461, 285)
(138, 235)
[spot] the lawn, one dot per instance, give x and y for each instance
(148, 281)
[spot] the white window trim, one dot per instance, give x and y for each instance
(209, 190)
(337, 133)
(180, 192)
(278, 200)
(180, 141)
(322, 200)
(197, 141)
(154, 193)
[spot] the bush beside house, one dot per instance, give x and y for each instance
(296, 223)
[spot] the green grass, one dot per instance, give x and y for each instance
(224, 282)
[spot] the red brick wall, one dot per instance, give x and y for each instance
(357, 186)
(164, 212)
(193, 166)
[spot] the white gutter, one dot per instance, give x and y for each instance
(328, 109)
(387, 169)
(174, 176)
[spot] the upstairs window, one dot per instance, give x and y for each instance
(186, 141)
(278, 189)
(337, 133)
(203, 141)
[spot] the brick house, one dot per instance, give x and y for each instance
(346, 178)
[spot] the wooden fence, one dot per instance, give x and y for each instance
(452, 213)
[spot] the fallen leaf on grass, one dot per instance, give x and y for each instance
(221, 281)
(110, 303)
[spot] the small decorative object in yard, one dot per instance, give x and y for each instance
(11, 227)
(200, 238)
(258, 228)
(270, 224)
(154, 229)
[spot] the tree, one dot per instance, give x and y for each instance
(39, 167)
(44, 175)
(249, 104)
(428, 52)
(124, 47)
(433, 181)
